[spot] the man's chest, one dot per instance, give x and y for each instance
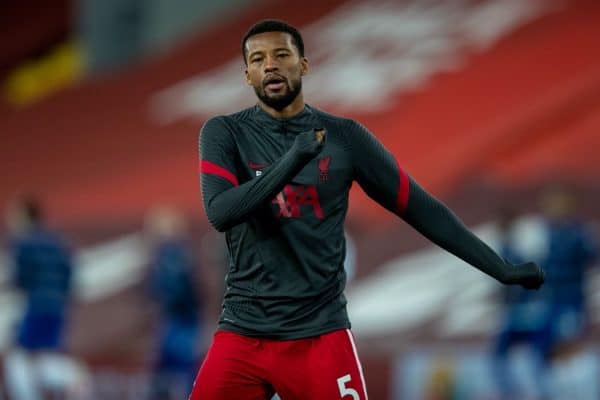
(322, 184)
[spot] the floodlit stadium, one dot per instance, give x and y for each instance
(492, 106)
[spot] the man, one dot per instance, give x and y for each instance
(275, 177)
(524, 322)
(173, 287)
(571, 250)
(42, 271)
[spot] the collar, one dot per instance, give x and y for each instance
(301, 122)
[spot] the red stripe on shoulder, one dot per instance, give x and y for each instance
(403, 190)
(206, 167)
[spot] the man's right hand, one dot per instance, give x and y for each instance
(309, 144)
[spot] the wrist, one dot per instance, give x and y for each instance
(299, 154)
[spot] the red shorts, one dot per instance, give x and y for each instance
(239, 367)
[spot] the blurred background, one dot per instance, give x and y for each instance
(111, 278)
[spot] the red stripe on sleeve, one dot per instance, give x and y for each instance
(402, 190)
(206, 167)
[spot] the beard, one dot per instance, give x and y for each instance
(279, 101)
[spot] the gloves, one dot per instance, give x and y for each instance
(528, 275)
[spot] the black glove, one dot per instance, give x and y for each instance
(528, 275)
(307, 144)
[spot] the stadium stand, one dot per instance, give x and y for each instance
(481, 101)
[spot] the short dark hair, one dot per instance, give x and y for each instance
(274, 25)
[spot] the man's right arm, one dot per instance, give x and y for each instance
(227, 202)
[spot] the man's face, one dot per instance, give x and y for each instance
(274, 68)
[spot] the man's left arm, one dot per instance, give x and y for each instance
(380, 176)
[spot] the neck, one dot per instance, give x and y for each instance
(294, 108)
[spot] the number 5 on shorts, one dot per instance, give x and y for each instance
(346, 391)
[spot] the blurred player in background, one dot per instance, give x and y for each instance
(551, 322)
(275, 178)
(571, 250)
(174, 288)
(42, 272)
(524, 322)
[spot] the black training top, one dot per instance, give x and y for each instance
(282, 199)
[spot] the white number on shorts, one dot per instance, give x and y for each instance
(345, 391)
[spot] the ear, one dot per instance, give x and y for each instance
(247, 76)
(304, 66)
